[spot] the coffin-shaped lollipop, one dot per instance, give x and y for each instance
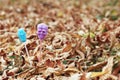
(22, 35)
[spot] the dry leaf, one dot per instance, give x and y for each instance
(75, 76)
(108, 69)
(97, 74)
(81, 35)
(50, 63)
(97, 66)
(68, 70)
(67, 48)
(83, 76)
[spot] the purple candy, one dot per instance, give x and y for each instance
(42, 30)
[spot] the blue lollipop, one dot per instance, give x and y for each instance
(22, 37)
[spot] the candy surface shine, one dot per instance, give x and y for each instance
(21, 34)
(42, 30)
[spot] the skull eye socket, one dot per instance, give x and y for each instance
(43, 31)
(39, 31)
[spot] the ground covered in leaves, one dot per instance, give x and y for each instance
(83, 40)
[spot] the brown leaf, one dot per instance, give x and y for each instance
(12, 71)
(68, 70)
(108, 69)
(83, 77)
(104, 37)
(60, 64)
(50, 63)
(2, 52)
(116, 70)
(68, 47)
(24, 74)
(97, 66)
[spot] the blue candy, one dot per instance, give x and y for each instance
(22, 35)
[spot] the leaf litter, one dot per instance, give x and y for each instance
(83, 40)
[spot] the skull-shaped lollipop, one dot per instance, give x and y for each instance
(22, 35)
(42, 30)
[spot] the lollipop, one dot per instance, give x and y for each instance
(22, 37)
(42, 30)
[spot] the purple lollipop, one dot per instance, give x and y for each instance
(42, 30)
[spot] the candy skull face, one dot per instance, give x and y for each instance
(42, 30)
(22, 35)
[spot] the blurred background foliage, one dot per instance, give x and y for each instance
(99, 8)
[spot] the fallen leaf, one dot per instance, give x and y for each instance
(108, 69)
(76, 77)
(67, 48)
(68, 70)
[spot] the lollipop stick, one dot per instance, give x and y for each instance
(40, 55)
(27, 51)
(40, 47)
(42, 30)
(27, 54)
